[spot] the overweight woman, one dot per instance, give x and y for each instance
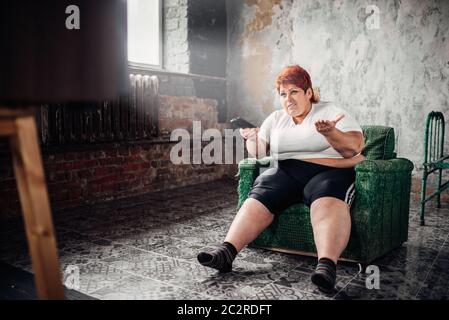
(316, 146)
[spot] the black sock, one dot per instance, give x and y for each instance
(325, 275)
(220, 259)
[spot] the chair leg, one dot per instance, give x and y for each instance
(35, 204)
(423, 195)
(439, 188)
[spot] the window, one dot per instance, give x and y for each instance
(145, 33)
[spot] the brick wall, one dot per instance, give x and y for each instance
(431, 187)
(178, 112)
(88, 174)
(207, 87)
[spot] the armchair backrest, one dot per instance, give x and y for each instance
(434, 137)
(379, 142)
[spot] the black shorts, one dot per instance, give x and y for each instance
(295, 181)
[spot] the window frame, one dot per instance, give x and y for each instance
(148, 66)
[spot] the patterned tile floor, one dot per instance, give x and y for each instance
(145, 248)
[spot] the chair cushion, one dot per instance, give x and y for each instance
(379, 142)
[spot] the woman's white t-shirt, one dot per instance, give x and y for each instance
(302, 141)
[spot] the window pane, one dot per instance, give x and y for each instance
(143, 31)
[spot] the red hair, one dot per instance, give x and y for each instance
(297, 76)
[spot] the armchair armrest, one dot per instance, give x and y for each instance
(385, 166)
(382, 202)
(249, 169)
(253, 163)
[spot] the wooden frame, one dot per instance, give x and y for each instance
(19, 126)
(302, 253)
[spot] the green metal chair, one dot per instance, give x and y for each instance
(379, 214)
(434, 159)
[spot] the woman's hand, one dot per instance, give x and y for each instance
(348, 144)
(327, 126)
(249, 133)
(256, 147)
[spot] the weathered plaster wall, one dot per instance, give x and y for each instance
(391, 76)
(175, 34)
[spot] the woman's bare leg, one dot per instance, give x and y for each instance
(252, 218)
(331, 223)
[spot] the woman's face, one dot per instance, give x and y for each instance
(294, 100)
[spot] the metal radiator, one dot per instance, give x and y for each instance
(130, 118)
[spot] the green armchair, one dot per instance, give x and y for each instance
(379, 214)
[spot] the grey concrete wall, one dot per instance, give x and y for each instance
(207, 37)
(195, 37)
(393, 75)
(195, 43)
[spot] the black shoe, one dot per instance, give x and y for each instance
(324, 275)
(220, 259)
(205, 259)
(324, 281)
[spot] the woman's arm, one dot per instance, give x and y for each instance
(348, 144)
(338, 163)
(257, 147)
